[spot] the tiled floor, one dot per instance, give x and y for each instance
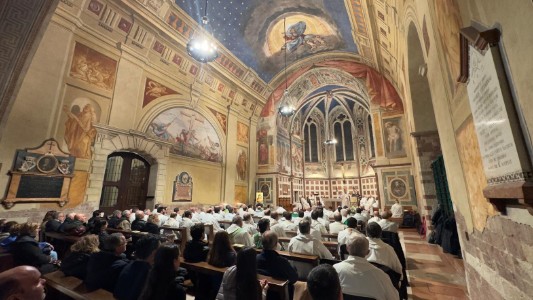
(432, 274)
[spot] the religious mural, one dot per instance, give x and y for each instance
(398, 185)
(241, 194)
(242, 133)
(93, 67)
(190, 132)
(221, 118)
(262, 152)
(265, 28)
(283, 156)
(393, 137)
(79, 130)
(449, 24)
(242, 164)
(154, 90)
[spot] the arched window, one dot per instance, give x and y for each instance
(344, 146)
(311, 142)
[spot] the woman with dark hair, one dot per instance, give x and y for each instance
(163, 282)
(221, 253)
(50, 215)
(26, 250)
(240, 281)
(99, 228)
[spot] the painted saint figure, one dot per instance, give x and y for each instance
(79, 131)
(393, 137)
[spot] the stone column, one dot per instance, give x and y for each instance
(231, 157)
(252, 162)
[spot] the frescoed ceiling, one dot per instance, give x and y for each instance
(253, 30)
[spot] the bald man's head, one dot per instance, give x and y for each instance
(269, 240)
(23, 283)
(357, 245)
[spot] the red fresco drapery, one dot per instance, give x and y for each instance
(380, 90)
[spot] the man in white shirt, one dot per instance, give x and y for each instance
(387, 225)
(237, 234)
(358, 277)
(316, 225)
(177, 211)
(344, 215)
(217, 214)
(277, 228)
(375, 218)
(187, 223)
(298, 218)
(396, 210)
(323, 220)
(304, 243)
(162, 214)
(358, 216)
(229, 214)
(369, 203)
(209, 218)
(248, 224)
(287, 223)
(351, 229)
(363, 201)
(337, 226)
(381, 252)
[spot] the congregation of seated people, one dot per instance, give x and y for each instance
(135, 254)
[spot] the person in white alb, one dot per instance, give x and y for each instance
(187, 223)
(304, 243)
(316, 225)
(375, 218)
(248, 224)
(287, 223)
(387, 225)
(363, 201)
(369, 203)
(209, 218)
(337, 226)
(358, 277)
(381, 252)
(237, 234)
(277, 228)
(351, 229)
(396, 210)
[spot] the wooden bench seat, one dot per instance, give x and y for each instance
(331, 245)
(277, 286)
(58, 283)
(6, 261)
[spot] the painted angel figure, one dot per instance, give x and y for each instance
(295, 37)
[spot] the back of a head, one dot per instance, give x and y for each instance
(321, 213)
(197, 231)
(145, 246)
(358, 210)
(96, 213)
(139, 215)
(267, 212)
(287, 215)
(173, 215)
(153, 218)
(301, 214)
(351, 222)
(274, 215)
(246, 217)
(162, 273)
(323, 283)
(126, 213)
(216, 209)
(99, 225)
(357, 245)
(112, 241)
(304, 226)
(86, 244)
(314, 214)
(176, 209)
(237, 220)
(337, 217)
(219, 249)
(27, 229)
(263, 225)
(246, 274)
(385, 214)
(373, 230)
(117, 213)
(187, 214)
(269, 240)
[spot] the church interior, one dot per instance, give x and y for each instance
(105, 105)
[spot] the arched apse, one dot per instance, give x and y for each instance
(423, 114)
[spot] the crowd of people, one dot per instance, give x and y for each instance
(149, 267)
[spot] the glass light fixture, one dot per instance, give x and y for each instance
(201, 47)
(330, 142)
(286, 107)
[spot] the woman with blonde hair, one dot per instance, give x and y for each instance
(152, 225)
(76, 263)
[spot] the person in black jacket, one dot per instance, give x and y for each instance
(196, 249)
(104, 267)
(115, 219)
(132, 278)
(152, 226)
(99, 228)
(97, 214)
(69, 219)
(26, 250)
(163, 281)
(76, 263)
(139, 222)
(54, 224)
(270, 263)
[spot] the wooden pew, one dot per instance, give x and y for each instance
(332, 246)
(182, 233)
(6, 261)
(329, 236)
(58, 284)
(210, 232)
(306, 258)
(280, 287)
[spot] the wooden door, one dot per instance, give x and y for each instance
(125, 182)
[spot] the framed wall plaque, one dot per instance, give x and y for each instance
(38, 176)
(182, 188)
